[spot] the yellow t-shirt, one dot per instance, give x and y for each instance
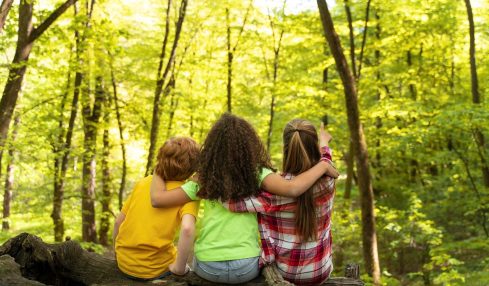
(144, 244)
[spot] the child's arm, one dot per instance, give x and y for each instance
(160, 198)
(277, 185)
(187, 230)
(117, 223)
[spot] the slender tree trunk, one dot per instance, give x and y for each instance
(106, 181)
(173, 105)
(364, 39)
(378, 119)
(26, 36)
(91, 116)
(121, 138)
(4, 9)
(230, 62)
(364, 179)
(478, 135)
(350, 156)
(160, 83)
(62, 151)
(9, 180)
(412, 87)
(276, 61)
(352, 39)
(350, 169)
(473, 65)
(231, 50)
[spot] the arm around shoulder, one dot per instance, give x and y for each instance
(161, 198)
(295, 187)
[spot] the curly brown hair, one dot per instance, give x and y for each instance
(177, 159)
(231, 158)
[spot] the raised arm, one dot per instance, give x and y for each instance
(277, 185)
(161, 198)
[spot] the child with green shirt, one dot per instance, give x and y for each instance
(233, 165)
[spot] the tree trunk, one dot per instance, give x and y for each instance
(364, 40)
(68, 264)
(106, 182)
(9, 180)
(478, 135)
(121, 138)
(230, 62)
(352, 39)
(364, 180)
(155, 123)
(378, 120)
(4, 9)
(62, 153)
(26, 36)
(231, 50)
(91, 118)
(350, 157)
(412, 87)
(173, 105)
(350, 169)
(276, 61)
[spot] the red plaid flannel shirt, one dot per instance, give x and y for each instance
(303, 263)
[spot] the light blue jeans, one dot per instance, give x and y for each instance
(229, 271)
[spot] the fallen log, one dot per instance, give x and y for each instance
(67, 264)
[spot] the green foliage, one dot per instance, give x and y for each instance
(415, 102)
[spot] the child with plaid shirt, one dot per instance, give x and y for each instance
(296, 233)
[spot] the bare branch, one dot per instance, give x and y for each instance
(37, 32)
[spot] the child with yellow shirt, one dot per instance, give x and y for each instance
(143, 235)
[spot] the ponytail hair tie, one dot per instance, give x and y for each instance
(295, 129)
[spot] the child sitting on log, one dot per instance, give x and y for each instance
(143, 235)
(233, 165)
(296, 232)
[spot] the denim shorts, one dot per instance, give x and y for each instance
(229, 271)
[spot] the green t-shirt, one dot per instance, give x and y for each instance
(225, 235)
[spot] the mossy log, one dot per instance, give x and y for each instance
(27, 260)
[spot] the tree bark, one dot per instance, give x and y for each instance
(350, 169)
(364, 179)
(62, 153)
(276, 60)
(231, 50)
(173, 105)
(91, 117)
(478, 135)
(9, 180)
(364, 39)
(121, 138)
(106, 181)
(160, 82)
(229, 63)
(26, 37)
(4, 9)
(352, 39)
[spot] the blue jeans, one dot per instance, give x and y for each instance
(229, 271)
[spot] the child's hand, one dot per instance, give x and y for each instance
(324, 136)
(180, 272)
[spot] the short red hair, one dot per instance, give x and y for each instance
(177, 159)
